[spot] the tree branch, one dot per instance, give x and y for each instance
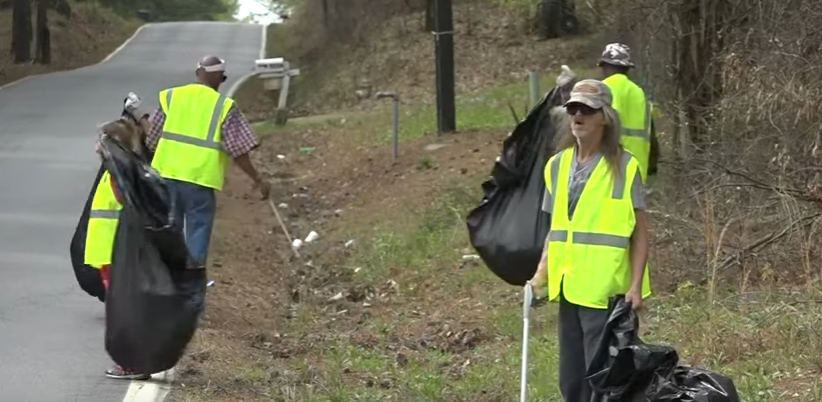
(761, 243)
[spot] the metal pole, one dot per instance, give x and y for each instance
(396, 134)
(526, 310)
(444, 50)
(396, 127)
(533, 80)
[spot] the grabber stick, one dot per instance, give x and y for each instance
(526, 314)
(282, 225)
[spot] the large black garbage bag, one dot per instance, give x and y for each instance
(508, 228)
(625, 369)
(155, 294)
(87, 276)
(623, 365)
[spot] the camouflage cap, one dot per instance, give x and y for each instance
(617, 54)
(593, 93)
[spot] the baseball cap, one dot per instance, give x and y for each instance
(592, 93)
(617, 54)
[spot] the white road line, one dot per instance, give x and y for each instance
(110, 55)
(121, 47)
(156, 389)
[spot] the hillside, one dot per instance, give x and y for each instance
(86, 37)
(492, 46)
(388, 303)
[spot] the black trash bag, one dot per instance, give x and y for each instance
(691, 384)
(508, 228)
(87, 276)
(625, 369)
(156, 291)
(623, 365)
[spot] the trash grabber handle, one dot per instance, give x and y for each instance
(526, 314)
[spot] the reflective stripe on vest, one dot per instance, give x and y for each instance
(102, 224)
(190, 148)
(634, 114)
(589, 256)
(212, 127)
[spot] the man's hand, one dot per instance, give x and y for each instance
(264, 187)
(634, 296)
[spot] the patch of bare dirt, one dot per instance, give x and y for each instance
(261, 285)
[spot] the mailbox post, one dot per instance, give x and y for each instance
(276, 74)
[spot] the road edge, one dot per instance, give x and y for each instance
(156, 389)
(110, 55)
(263, 44)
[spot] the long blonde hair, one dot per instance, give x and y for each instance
(610, 146)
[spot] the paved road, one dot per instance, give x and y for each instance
(51, 332)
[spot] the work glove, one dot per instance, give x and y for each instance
(566, 76)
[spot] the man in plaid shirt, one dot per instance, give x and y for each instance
(194, 202)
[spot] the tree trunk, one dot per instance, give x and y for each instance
(556, 18)
(698, 71)
(429, 15)
(21, 31)
(43, 48)
(325, 13)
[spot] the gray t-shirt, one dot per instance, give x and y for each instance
(580, 173)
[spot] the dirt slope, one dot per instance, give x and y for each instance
(88, 36)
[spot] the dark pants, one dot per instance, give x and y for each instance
(579, 332)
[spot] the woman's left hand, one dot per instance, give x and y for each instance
(634, 296)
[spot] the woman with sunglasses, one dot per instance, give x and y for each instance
(598, 243)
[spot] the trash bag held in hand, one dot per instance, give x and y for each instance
(508, 228)
(156, 292)
(87, 276)
(625, 369)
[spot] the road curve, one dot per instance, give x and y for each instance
(51, 332)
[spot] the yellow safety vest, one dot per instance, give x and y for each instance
(190, 148)
(589, 256)
(634, 113)
(102, 224)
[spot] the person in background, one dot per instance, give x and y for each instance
(107, 203)
(194, 134)
(598, 243)
(629, 101)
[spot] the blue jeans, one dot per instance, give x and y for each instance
(194, 207)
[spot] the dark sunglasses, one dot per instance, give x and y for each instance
(224, 78)
(585, 110)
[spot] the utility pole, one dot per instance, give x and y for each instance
(444, 48)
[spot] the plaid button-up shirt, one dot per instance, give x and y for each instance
(237, 136)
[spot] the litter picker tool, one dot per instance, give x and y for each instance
(526, 314)
(282, 225)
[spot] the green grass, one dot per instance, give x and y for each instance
(481, 110)
(766, 343)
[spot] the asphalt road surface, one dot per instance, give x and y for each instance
(51, 332)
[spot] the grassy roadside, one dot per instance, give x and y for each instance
(399, 316)
(87, 37)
